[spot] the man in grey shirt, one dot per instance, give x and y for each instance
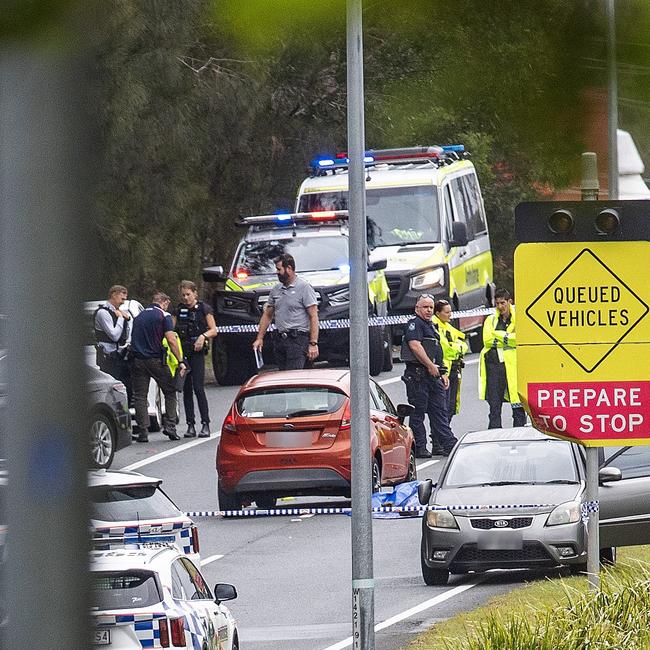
(292, 303)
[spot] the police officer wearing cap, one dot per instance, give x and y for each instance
(426, 381)
(293, 305)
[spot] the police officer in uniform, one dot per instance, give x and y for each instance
(293, 305)
(112, 334)
(426, 381)
(195, 326)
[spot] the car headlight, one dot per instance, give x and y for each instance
(340, 297)
(565, 513)
(440, 519)
(429, 279)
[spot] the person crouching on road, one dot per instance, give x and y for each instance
(292, 303)
(195, 326)
(149, 362)
(454, 349)
(426, 381)
(498, 362)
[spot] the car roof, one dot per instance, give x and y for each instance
(329, 377)
(497, 435)
(110, 478)
(134, 556)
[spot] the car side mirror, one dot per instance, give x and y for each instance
(458, 234)
(609, 474)
(214, 274)
(403, 411)
(424, 491)
(223, 591)
(377, 265)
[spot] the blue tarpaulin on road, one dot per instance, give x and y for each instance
(402, 495)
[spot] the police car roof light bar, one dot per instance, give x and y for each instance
(289, 219)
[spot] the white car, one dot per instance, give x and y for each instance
(128, 507)
(155, 398)
(151, 596)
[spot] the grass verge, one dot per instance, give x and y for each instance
(558, 614)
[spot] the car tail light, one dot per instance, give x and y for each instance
(195, 539)
(228, 425)
(163, 629)
(346, 421)
(178, 631)
(119, 387)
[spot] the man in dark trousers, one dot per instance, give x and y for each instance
(149, 362)
(426, 381)
(292, 304)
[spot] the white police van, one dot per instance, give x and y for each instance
(425, 216)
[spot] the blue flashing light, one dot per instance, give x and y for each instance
(283, 217)
(368, 159)
(458, 148)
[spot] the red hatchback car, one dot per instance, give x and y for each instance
(288, 434)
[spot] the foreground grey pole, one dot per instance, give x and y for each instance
(44, 437)
(612, 102)
(589, 189)
(363, 594)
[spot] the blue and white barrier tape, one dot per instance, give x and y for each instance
(291, 512)
(344, 323)
(587, 508)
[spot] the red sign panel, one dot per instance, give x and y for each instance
(603, 412)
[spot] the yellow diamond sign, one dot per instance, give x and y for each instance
(587, 309)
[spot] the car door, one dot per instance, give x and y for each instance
(386, 425)
(624, 504)
(400, 434)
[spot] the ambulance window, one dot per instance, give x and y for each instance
(463, 207)
(476, 216)
(449, 211)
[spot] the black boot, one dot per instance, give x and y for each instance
(191, 431)
(205, 430)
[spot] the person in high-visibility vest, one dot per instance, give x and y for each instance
(498, 362)
(454, 348)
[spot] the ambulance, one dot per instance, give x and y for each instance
(425, 217)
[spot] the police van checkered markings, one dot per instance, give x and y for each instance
(146, 625)
(344, 323)
(103, 536)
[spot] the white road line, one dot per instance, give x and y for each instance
(170, 452)
(428, 463)
(427, 604)
(212, 558)
(392, 380)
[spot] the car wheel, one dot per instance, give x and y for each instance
(608, 556)
(412, 474)
(265, 502)
(432, 576)
(232, 364)
(376, 475)
(228, 500)
(102, 441)
(375, 350)
(388, 349)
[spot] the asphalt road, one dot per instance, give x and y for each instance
(293, 575)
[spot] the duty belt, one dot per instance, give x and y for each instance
(292, 333)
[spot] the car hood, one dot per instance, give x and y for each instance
(409, 258)
(315, 278)
(501, 495)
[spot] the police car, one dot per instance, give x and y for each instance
(129, 507)
(318, 241)
(425, 216)
(151, 596)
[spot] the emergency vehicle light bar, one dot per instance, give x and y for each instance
(289, 219)
(403, 155)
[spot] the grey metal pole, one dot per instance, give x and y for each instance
(612, 102)
(363, 594)
(589, 187)
(42, 219)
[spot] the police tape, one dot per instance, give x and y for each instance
(296, 512)
(587, 508)
(344, 323)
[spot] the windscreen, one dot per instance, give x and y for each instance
(124, 589)
(310, 253)
(131, 503)
(395, 215)
(290, 402)
(511, 462)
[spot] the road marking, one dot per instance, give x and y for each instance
(212, 558)
(427, 604)
(428, 463)
(169, 452)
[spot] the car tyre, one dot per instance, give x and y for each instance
(228, 500)
(265, 502)
(412, 473)
(232, 364)
(388, 349)
(375, 350)
(608, 556)
(376, 476)
(103, 437)
(432, 577)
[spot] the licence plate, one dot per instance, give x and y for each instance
(501, 540)
(287, 439)
(102, 637)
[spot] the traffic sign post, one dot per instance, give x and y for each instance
(583, 326)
